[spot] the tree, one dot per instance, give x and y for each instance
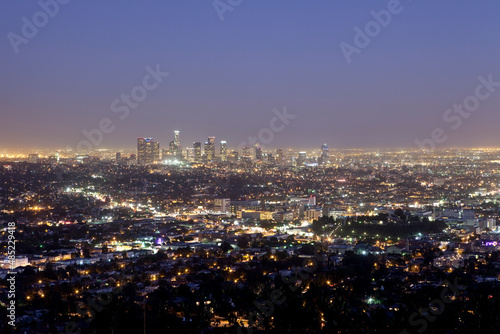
(243, 241)
(317, 226)
(86, 253)
(226, 247)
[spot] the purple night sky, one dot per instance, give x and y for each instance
(227, 76)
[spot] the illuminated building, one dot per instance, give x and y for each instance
(177, 142)
(279, 155)
(233, 157)
(190, 154)
(313, 214)
(197, 151)
(148, 151)
(177, 152)
(258, 153)
(223, 151)
(325, 155)
(210, 149)
(222, 205)
(246, 155)
(53, 159)
(246, 152)
(302, 158)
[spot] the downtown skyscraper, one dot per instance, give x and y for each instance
(148, 151)
(175, 147)
(325, 155)
(210, 149)
(223, 151)
(197, 151)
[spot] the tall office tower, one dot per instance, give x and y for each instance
(118, 158)
(171, 148)
(246, 155)
(156, 151)
(258, 153)
(206, 152)
(270, 157)
(246, 152)
(148, 151)
(179, 155)
(141, 151)
(190, 154)
(177, 148)
(325, 155)
(233, 156)
(197, 151)
(279, 156)
(302, 158)
(177, 141)
(223, 151)
(210, 149)
(164, 154)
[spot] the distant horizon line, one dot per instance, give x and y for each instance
(5, 151)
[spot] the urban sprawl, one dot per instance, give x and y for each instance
(250, 240)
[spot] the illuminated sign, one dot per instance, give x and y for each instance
(490, 243)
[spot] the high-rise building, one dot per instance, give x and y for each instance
(164, 154)
(177, 145)
(223, 151)
(302, 158)
(190, 154)
(233, 156)
(177, 141)
(174, 147)
(279, 156)
(258, 153)
(246, 155)
(148, 151)
(155, 151)
(118, 158)
(325, 155)
(210, 149)
(197, 151)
